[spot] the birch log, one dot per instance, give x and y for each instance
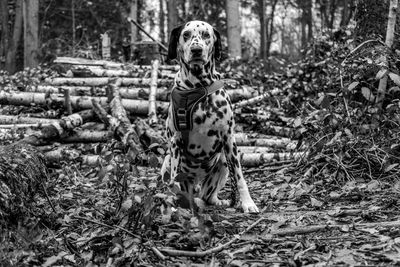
(153, 93)
(77, 102)
(108, 64)
(129, 92)
(101, 81)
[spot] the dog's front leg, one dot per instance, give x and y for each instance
(235, 171)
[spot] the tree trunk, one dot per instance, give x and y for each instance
(332, 10)
(162, 18)
(133, 15)
(262, 9)
(389, 42)
(11, 65)
(31, 32)
(172, 15)
(270, 30)
(233, 25)
(4, 31)
(73, 27)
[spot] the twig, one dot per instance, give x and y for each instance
(144, 31)
(158, 253)
(219, 248)
(106, 225)
(298, 230)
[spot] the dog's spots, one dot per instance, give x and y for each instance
(212, 120)
(198, 120)
(212, 133)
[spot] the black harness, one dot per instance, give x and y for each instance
(183, 106)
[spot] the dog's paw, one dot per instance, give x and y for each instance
(249, 207)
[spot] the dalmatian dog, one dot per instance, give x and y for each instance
(203, 151)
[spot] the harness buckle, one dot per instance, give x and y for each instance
(182, 118)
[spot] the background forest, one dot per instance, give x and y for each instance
(270, 30)
(315, 86)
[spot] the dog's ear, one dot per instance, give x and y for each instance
(217, 45)
(173, 42)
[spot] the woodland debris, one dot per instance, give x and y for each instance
(77, 102)
(257, 159)
(122, 127)
(23, 174)
(59, 128)
(153, 93)
(243, 139)
(257, 99)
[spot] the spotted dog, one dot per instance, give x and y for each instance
(200, 120)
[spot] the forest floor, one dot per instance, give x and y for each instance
(302, 223)
(336, 207)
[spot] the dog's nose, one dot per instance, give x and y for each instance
(196, 51)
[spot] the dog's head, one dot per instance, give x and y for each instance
(195, 44)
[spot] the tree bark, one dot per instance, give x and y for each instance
(233, 25)
(31, 32)
(11, 61)
(4, 31)
(389, 42)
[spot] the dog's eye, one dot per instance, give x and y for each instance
(186, 35)
(206, 35)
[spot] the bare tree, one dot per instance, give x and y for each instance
(263, 28)
(389, 42)
(15, 39)
(133, 15)
(306, 21)
(233, 25)
(31, 32)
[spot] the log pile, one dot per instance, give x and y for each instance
(92, 101)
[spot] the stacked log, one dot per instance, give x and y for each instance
(130, 91)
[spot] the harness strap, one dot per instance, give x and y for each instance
(183, 104)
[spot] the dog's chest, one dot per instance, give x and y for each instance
(212, 122)
(210, 125)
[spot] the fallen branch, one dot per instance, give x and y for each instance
(257, 159)
(306, 229)
(217, 249)
(122, 126)
(243, 139)
(257, 99)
